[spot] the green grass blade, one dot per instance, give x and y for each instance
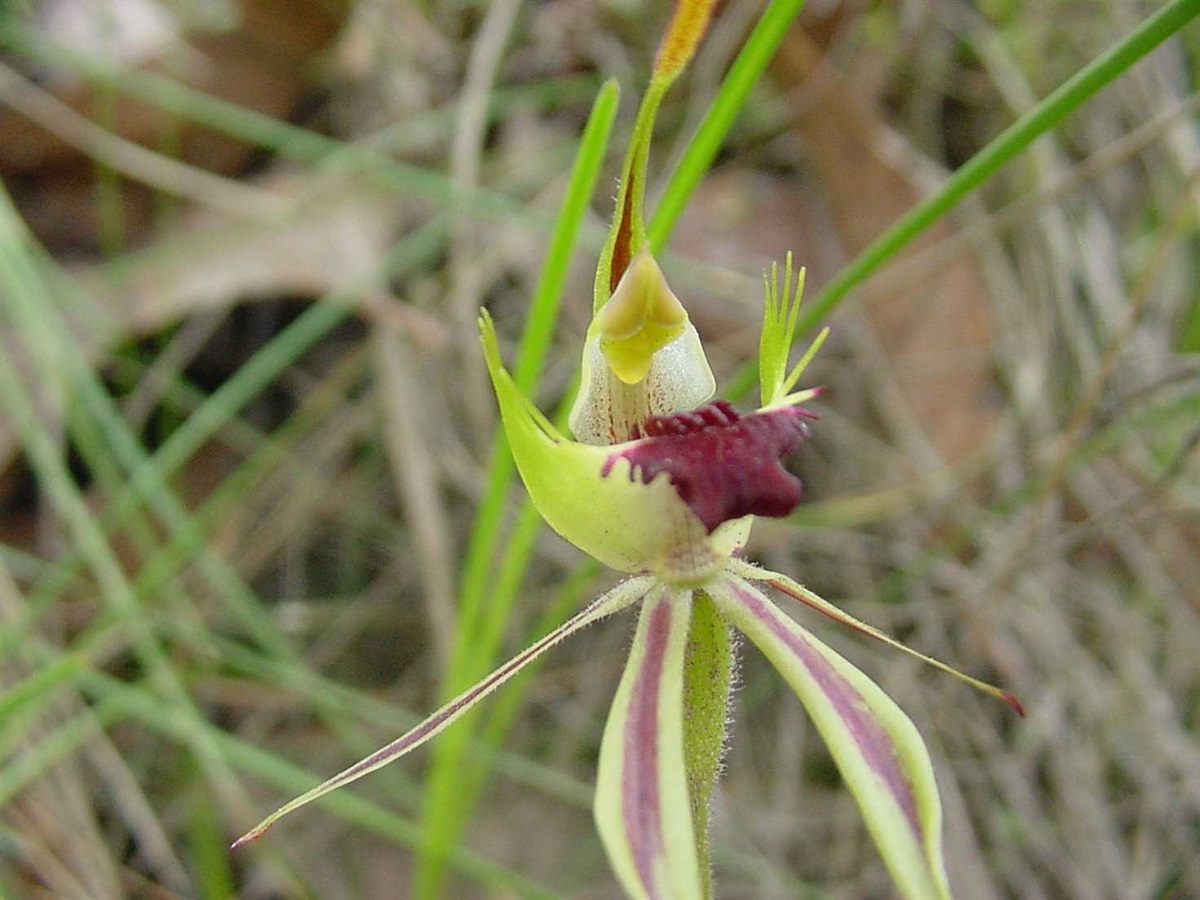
(33, 306)
(702, 149)
(260, 130)
(264, 766)
(30, 311)
(482, 610)
(1047, 114)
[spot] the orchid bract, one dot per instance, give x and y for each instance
(658, 482)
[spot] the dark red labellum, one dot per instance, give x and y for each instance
(722, 465)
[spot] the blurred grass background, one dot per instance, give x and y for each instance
(245, 432)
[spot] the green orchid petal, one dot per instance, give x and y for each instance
(624, 594)
(876, 747)
(627, 525)
(642, 809)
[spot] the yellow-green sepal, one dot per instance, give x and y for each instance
(628, 232)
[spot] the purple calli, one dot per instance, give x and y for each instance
(722, 465)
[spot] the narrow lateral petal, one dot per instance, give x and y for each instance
(623, 595)
(876, 747)
(642, 809)
(797, 591)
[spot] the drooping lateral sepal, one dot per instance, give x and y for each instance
(642, 809)
(811, 599)
(876, 747)
(621, 596)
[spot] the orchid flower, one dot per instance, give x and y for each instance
(672, 504)
(660, 483)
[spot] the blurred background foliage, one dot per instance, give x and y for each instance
(244, 431)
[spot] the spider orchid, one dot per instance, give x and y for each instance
(664, 485)
(672, 505)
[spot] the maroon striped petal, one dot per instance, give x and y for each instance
(623, 595)
(642, 809)
(876, 747)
